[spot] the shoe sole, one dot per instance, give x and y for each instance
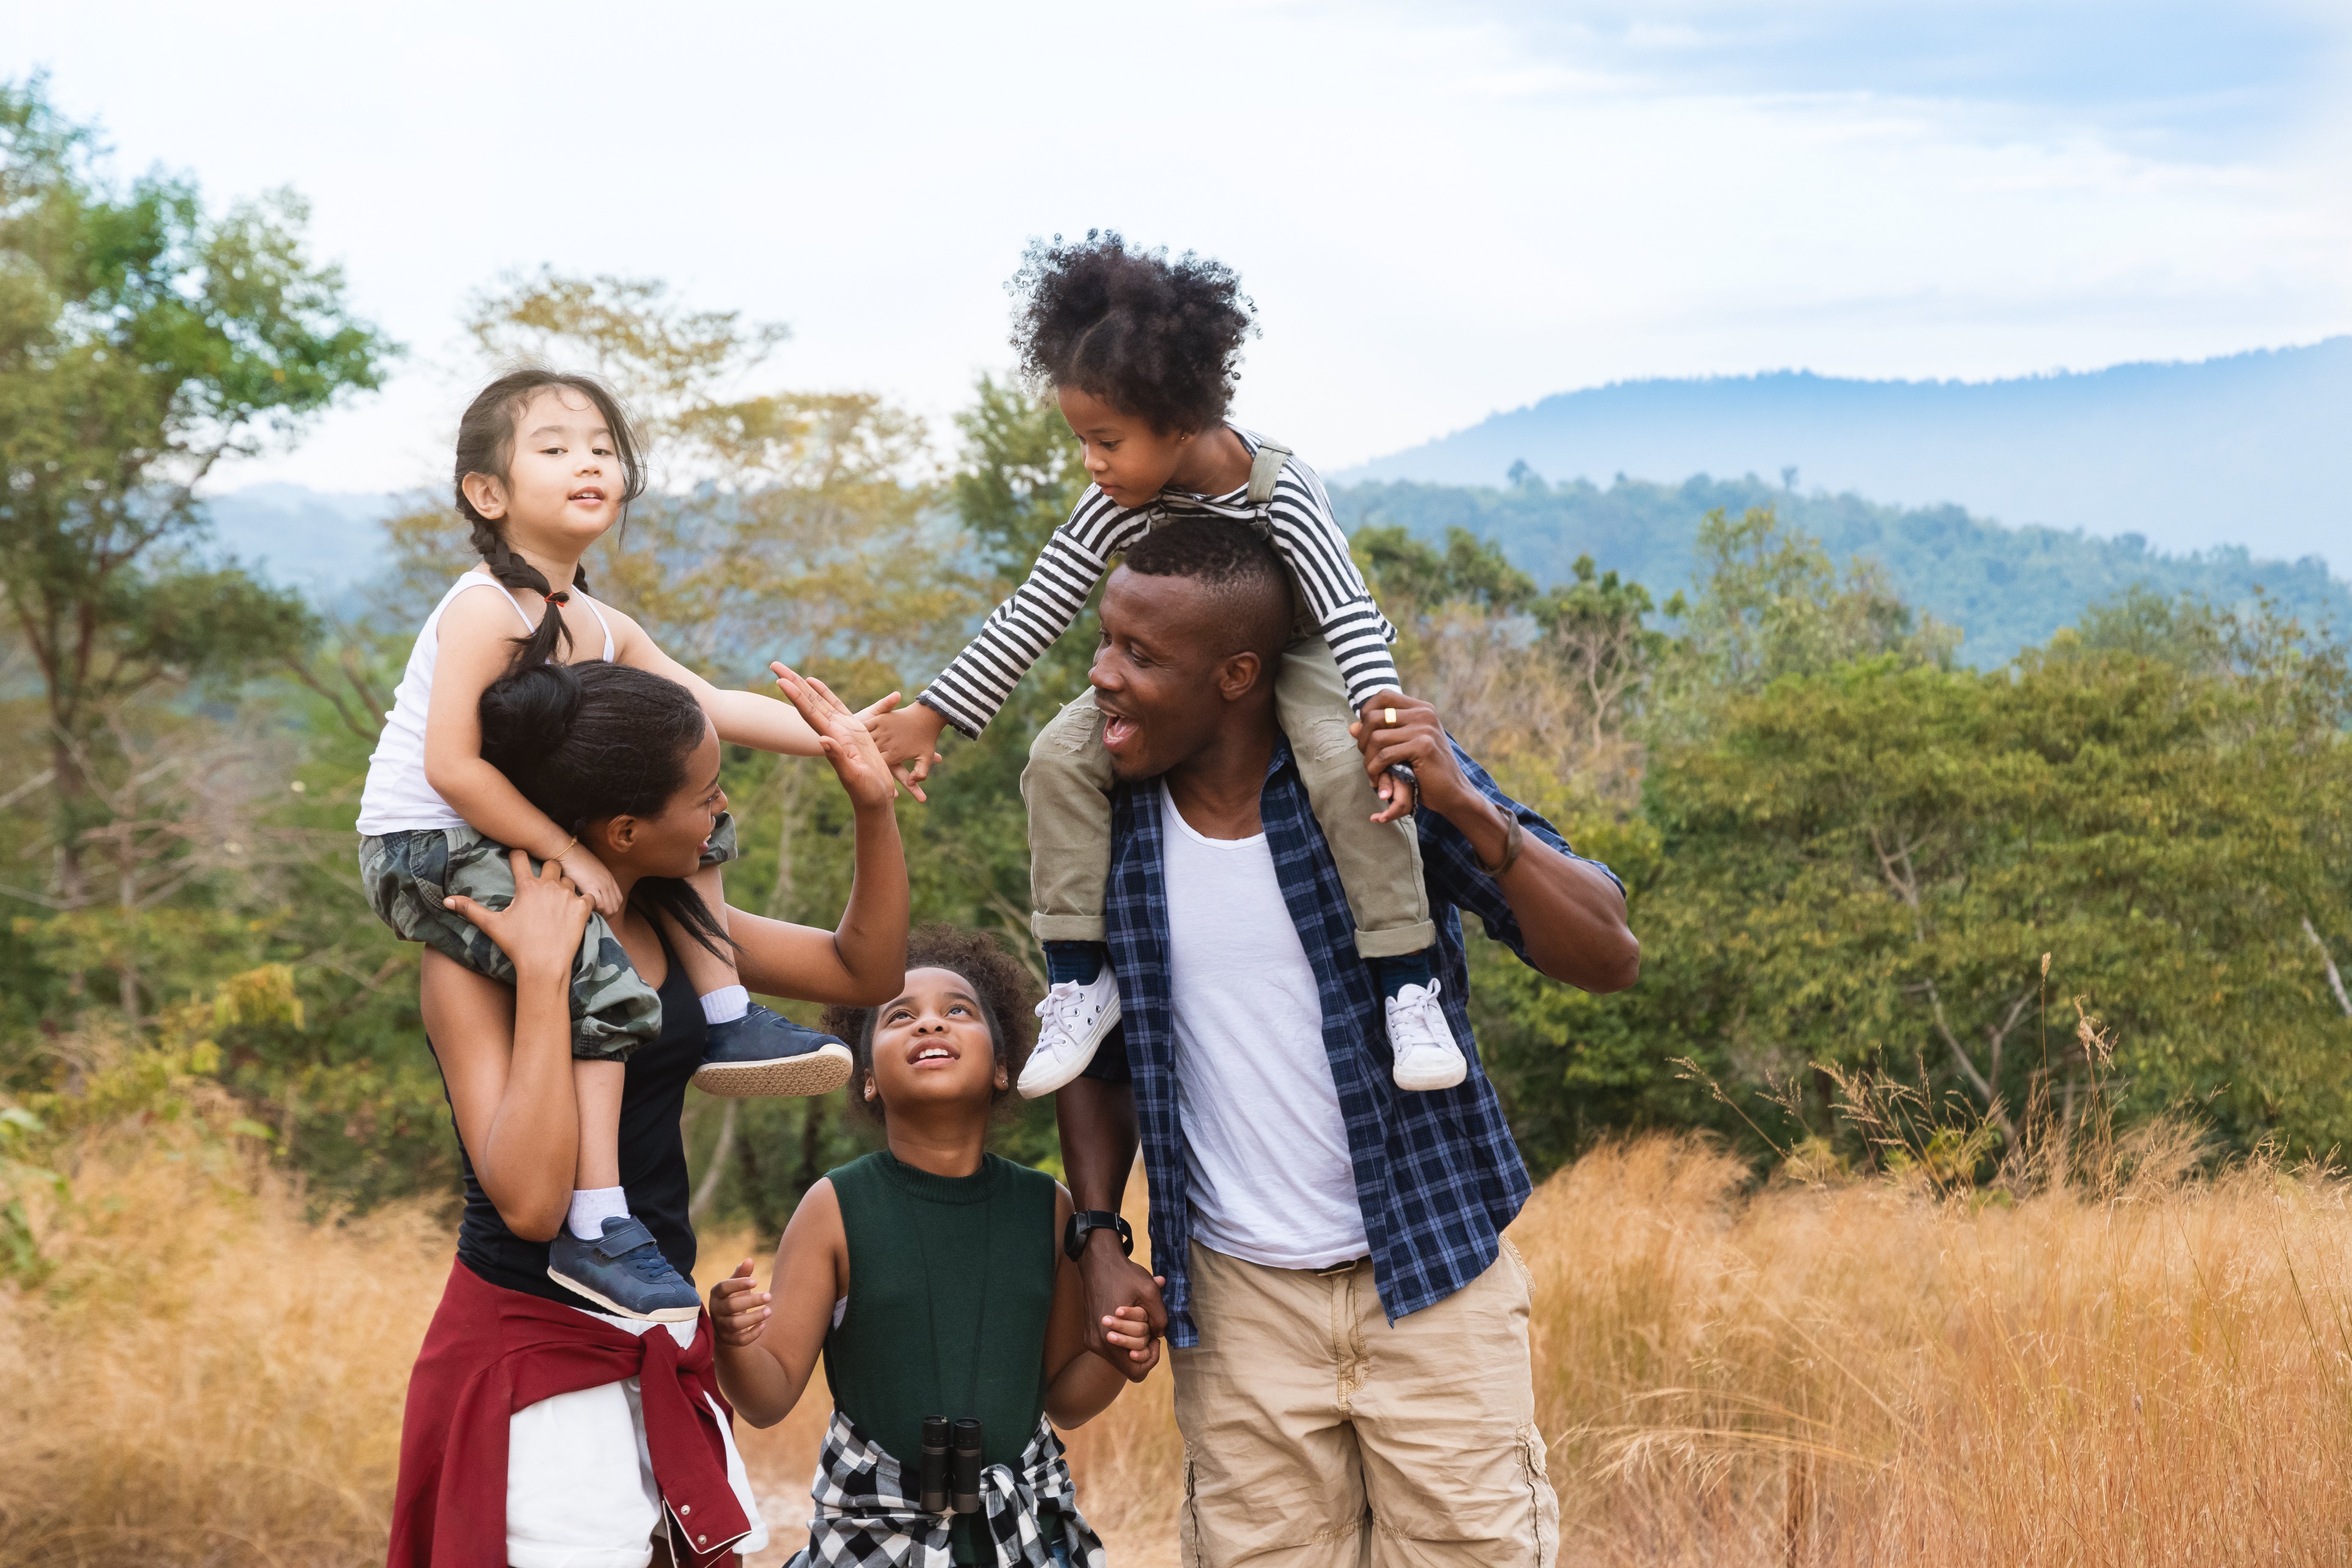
(820, 1071)
(1046, 1083)
(666, 1315)
(1430, 1083)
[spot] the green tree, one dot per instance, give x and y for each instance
(1770, 603)
(142, 339)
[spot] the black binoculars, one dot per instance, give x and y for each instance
(949, 1474)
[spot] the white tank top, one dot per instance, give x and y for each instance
(395, 798)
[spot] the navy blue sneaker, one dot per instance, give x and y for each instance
(767, 1053)
(624, 1273)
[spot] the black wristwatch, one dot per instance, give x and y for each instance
(1086, 1222)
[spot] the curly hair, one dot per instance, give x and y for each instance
(1005, 992)
(1152, 338)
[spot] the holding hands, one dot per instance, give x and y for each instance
(1129, 1329)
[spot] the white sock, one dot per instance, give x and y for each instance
(726, 1004)
(592, 1207)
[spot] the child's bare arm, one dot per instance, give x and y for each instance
(766, 1342)
(1079, 1387)
(477, 645)
(741, 718)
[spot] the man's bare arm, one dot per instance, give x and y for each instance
(1096, 1121)
(1572, 913)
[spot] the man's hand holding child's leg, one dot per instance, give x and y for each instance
(1395, 787)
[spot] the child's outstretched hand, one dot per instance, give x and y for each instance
(596, 883)
(842, 736)
(738, 1307)
(906, 738)
(539, 931)
(1128, 1329)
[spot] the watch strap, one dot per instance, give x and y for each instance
(1086, 1222)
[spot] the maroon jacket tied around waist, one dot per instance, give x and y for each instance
(488, 1354)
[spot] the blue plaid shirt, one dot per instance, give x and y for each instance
(1437, 1174)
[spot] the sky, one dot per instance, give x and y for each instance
(1441, 210)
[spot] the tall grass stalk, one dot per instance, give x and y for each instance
(2154, 1368)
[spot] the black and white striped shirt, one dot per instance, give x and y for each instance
(1298, 523)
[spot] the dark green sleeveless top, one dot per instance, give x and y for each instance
(950, 1287)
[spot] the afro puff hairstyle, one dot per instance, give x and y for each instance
(1153, 338)
(1006, 992)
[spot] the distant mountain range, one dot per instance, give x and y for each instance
(2252, 450)
(2005, 588)
(321, 542)
(2214, 479)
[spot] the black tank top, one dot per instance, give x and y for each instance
(653, 1158)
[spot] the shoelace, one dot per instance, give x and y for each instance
(645, 1260)
(1065, 1003)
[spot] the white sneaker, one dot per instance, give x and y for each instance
(1426, 1056)
(1077, 1017)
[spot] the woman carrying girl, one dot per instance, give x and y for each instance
(935, 1279)
(546, 464)
(539, 1433)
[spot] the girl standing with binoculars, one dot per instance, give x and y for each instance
(935, 1279)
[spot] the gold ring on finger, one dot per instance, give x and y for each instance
(1388, 717)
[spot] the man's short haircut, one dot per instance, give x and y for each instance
(1246, 580)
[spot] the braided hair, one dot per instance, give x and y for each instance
(486, 437)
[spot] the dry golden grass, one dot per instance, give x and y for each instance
(1863, 1374)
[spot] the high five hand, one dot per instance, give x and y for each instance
(841, 735)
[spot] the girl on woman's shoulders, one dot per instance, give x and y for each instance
(539, 1433)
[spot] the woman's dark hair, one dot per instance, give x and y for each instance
(1005, 992)
(1151, 337)
(486, 438)
(587, 742)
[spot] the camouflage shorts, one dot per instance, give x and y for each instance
(410, 874)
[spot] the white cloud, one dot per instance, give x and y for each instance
(1441, 211)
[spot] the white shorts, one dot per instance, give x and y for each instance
(580, 1480)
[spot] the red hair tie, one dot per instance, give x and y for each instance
(559, 598)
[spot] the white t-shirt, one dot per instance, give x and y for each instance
(1266, 1145)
